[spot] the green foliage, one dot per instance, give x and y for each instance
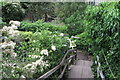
(2, 24)
(102, 27)
(65, 10)
(72, 15)
(75, 23)
(40, 25)
(32, 44)
(37, 10)
(84, 42)
(12, 11)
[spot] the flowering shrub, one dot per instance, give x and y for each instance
(44, 52)
(8, 46)
(48, 44)
(28, 54)
(9, 55)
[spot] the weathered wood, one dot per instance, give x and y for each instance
(75, 37)
(44, 76)
(98, 69)
(71, 50)
(82, 56)
(47, 74)
(62, 73)
(82, 69)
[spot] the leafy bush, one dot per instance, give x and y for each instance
(2, 24)
(33, 43)
(72, 15)
(31, 54)
(75, 23)
(102, 27)
(84, 42)
(12, 11)
(40, 25)
(65, 10)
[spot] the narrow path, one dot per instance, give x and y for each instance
(82, 68)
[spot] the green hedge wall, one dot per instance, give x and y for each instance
(103, 28)
(40, 25)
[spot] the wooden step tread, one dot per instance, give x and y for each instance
(80, 72)
(84, 63)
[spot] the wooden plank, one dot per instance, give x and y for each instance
(75, 72)
(47, 74)
(81, 71)
(88, 63)
(82, 56)
(80, 62)
(84, 63)
(87, 72)
(61, 75)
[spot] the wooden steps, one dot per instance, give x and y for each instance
(82, 68)
(84, 63)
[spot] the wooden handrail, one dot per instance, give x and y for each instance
(47, 74)
(70, 58)
(71, 50)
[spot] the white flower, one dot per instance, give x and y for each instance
(14, 55)
(34, 56)
(72, 36)
(14, 27)
(22, 76)
(16, 23)
(28, 65)
(13, 33)
(64, 45)
(45, 52)
(11, 30)
(72, 44)
(53, 48)
(34, 41)
(12, 71)
(5, 28)
(34, 65)
(61, 34)
(10, 44)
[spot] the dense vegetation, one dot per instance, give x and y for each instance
(40, 25)
(12, 11)
(72, 16)
(33, 53)
(42, 44)
(102, 27)
(101, 37)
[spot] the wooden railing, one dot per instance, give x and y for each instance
(99, 71)
(67, 59)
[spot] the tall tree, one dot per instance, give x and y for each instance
(12, 11)
(72, 14)
(36, 10)
(66, 9)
